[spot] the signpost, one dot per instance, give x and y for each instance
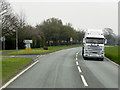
(27, 44)
(71, 39)
(3, 40)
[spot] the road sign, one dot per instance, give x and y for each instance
(27, 41)
(71, 39)
(27, 44)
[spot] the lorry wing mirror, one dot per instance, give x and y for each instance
(105, 41)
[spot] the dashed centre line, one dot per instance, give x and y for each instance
(84, 81)
(79, 69)
(76, 58)
(77, 63)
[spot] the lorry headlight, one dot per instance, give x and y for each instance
(102, 52)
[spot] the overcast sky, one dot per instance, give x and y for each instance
(91, 15)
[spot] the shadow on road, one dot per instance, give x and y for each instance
(93, 59)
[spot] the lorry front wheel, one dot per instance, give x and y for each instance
(82, 51)
(85, 58)
(101, 59)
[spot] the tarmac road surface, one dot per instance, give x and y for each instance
(67, 69)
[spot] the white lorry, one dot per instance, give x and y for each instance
(93, 47)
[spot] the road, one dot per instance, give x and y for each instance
(67, 69)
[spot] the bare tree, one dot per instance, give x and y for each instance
(11, 22)
(110, 36)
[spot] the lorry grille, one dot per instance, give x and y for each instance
(94, 49)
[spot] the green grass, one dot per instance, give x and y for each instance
(11, 66)
(112, 53)
(0, 51)
(40, 50)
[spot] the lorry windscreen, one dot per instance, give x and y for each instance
(95, 40)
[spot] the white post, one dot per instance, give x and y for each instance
(16, 40)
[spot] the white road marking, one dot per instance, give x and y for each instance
(84, 81)
(76, 58)
(14, 78)
(77, 63)
(37, 56)
(82, 77)
(111, 61)
(77, 55)
(79, 69)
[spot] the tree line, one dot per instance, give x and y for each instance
(51, 32)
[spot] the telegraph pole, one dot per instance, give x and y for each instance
(3, 42)
(17, 40)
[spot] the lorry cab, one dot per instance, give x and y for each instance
(93, 47)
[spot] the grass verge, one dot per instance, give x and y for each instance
(112, 53)
(12, 66)
(41, 51)
(0, 51)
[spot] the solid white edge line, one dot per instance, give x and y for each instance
(111, 61)
(77, 63)
(84, 81)
(38, 56)
(14, 78)
(79, 69)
